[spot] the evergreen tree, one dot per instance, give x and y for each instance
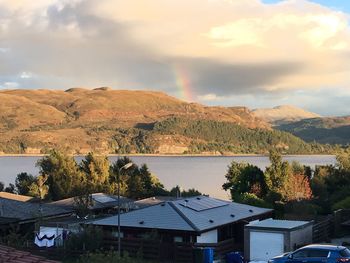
(277, 173)
(23, 182)
(64, 176)
(245, 178)
(96, 172)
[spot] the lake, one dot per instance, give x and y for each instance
(204, 173)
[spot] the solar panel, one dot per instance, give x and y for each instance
(201, 204)
(103, 199)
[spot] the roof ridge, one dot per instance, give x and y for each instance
(188, 221)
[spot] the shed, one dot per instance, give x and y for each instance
(269, 238)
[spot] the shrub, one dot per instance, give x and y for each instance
(343, 204)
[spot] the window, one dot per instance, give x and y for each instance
(300, 254)
(345, 252)
(318, 253)
(178, 239)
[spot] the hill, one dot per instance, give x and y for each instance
(122, 121)
(333, 130)
(283, 114)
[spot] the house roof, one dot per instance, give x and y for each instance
(11, 255)
(100, 201)
(278, 224)
(152, 201)
(196, 214)
(21, 211)
(22, 198)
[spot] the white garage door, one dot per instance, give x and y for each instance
(264, 246)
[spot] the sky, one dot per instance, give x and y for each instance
(254, 53)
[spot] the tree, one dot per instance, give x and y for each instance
(178, 192)
(277, 173)
(245, 178)
(296, 188)
(96, 172)
(10, 189)
(64, 176)
(23, 182)
(135, 182)
(116, 173)
(38, 188)
(2, 186)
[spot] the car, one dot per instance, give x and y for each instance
(315, 254)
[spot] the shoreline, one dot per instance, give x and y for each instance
(168, 155)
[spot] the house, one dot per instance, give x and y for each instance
(154, 200)
(184, 224)
(280, 235)
(100, 203)
(22, 198)
(22, 213)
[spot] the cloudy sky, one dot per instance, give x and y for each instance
(217, 52)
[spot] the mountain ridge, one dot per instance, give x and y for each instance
(283, 114)
(110, 121)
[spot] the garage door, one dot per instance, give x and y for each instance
(264, 246)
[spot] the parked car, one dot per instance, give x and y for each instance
(315, 254)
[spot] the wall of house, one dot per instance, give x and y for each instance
(300, 237)
(208, 237)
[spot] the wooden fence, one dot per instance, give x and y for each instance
(169, 252)
(322, 231)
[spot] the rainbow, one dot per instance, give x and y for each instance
(183, 84)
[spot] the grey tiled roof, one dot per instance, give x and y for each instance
(100, 201)
(196, 214)
(279, 224)
(25, 210)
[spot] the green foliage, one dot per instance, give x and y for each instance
(136, 182)
(252, 199)
(64, 176)
(177, 192)
(133, 141)
(109, 257)
(10, 189)
(2, 186)
(96, 173)
(343, 204)
(38, 188)
(23, 182)
(280, 183)
(245, 178)
(230, 137)
(323, 130)
(90, 239)
(277, 173)
(82, 204)
(303, 208)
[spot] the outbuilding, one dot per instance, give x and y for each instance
(269, 238)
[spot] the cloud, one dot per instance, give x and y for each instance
(226, 48)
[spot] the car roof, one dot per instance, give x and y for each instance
(325, 247)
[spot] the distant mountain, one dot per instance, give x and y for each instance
(283, 114)
(333, 130)
(103, 120)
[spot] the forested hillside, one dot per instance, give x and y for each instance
(334, 130)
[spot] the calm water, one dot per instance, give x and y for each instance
(203, 173)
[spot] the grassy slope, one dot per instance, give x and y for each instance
(80, 120)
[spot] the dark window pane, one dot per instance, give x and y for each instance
(318, 253)
(345, 252)
(300, 254)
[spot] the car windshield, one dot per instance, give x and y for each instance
(345, 252)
